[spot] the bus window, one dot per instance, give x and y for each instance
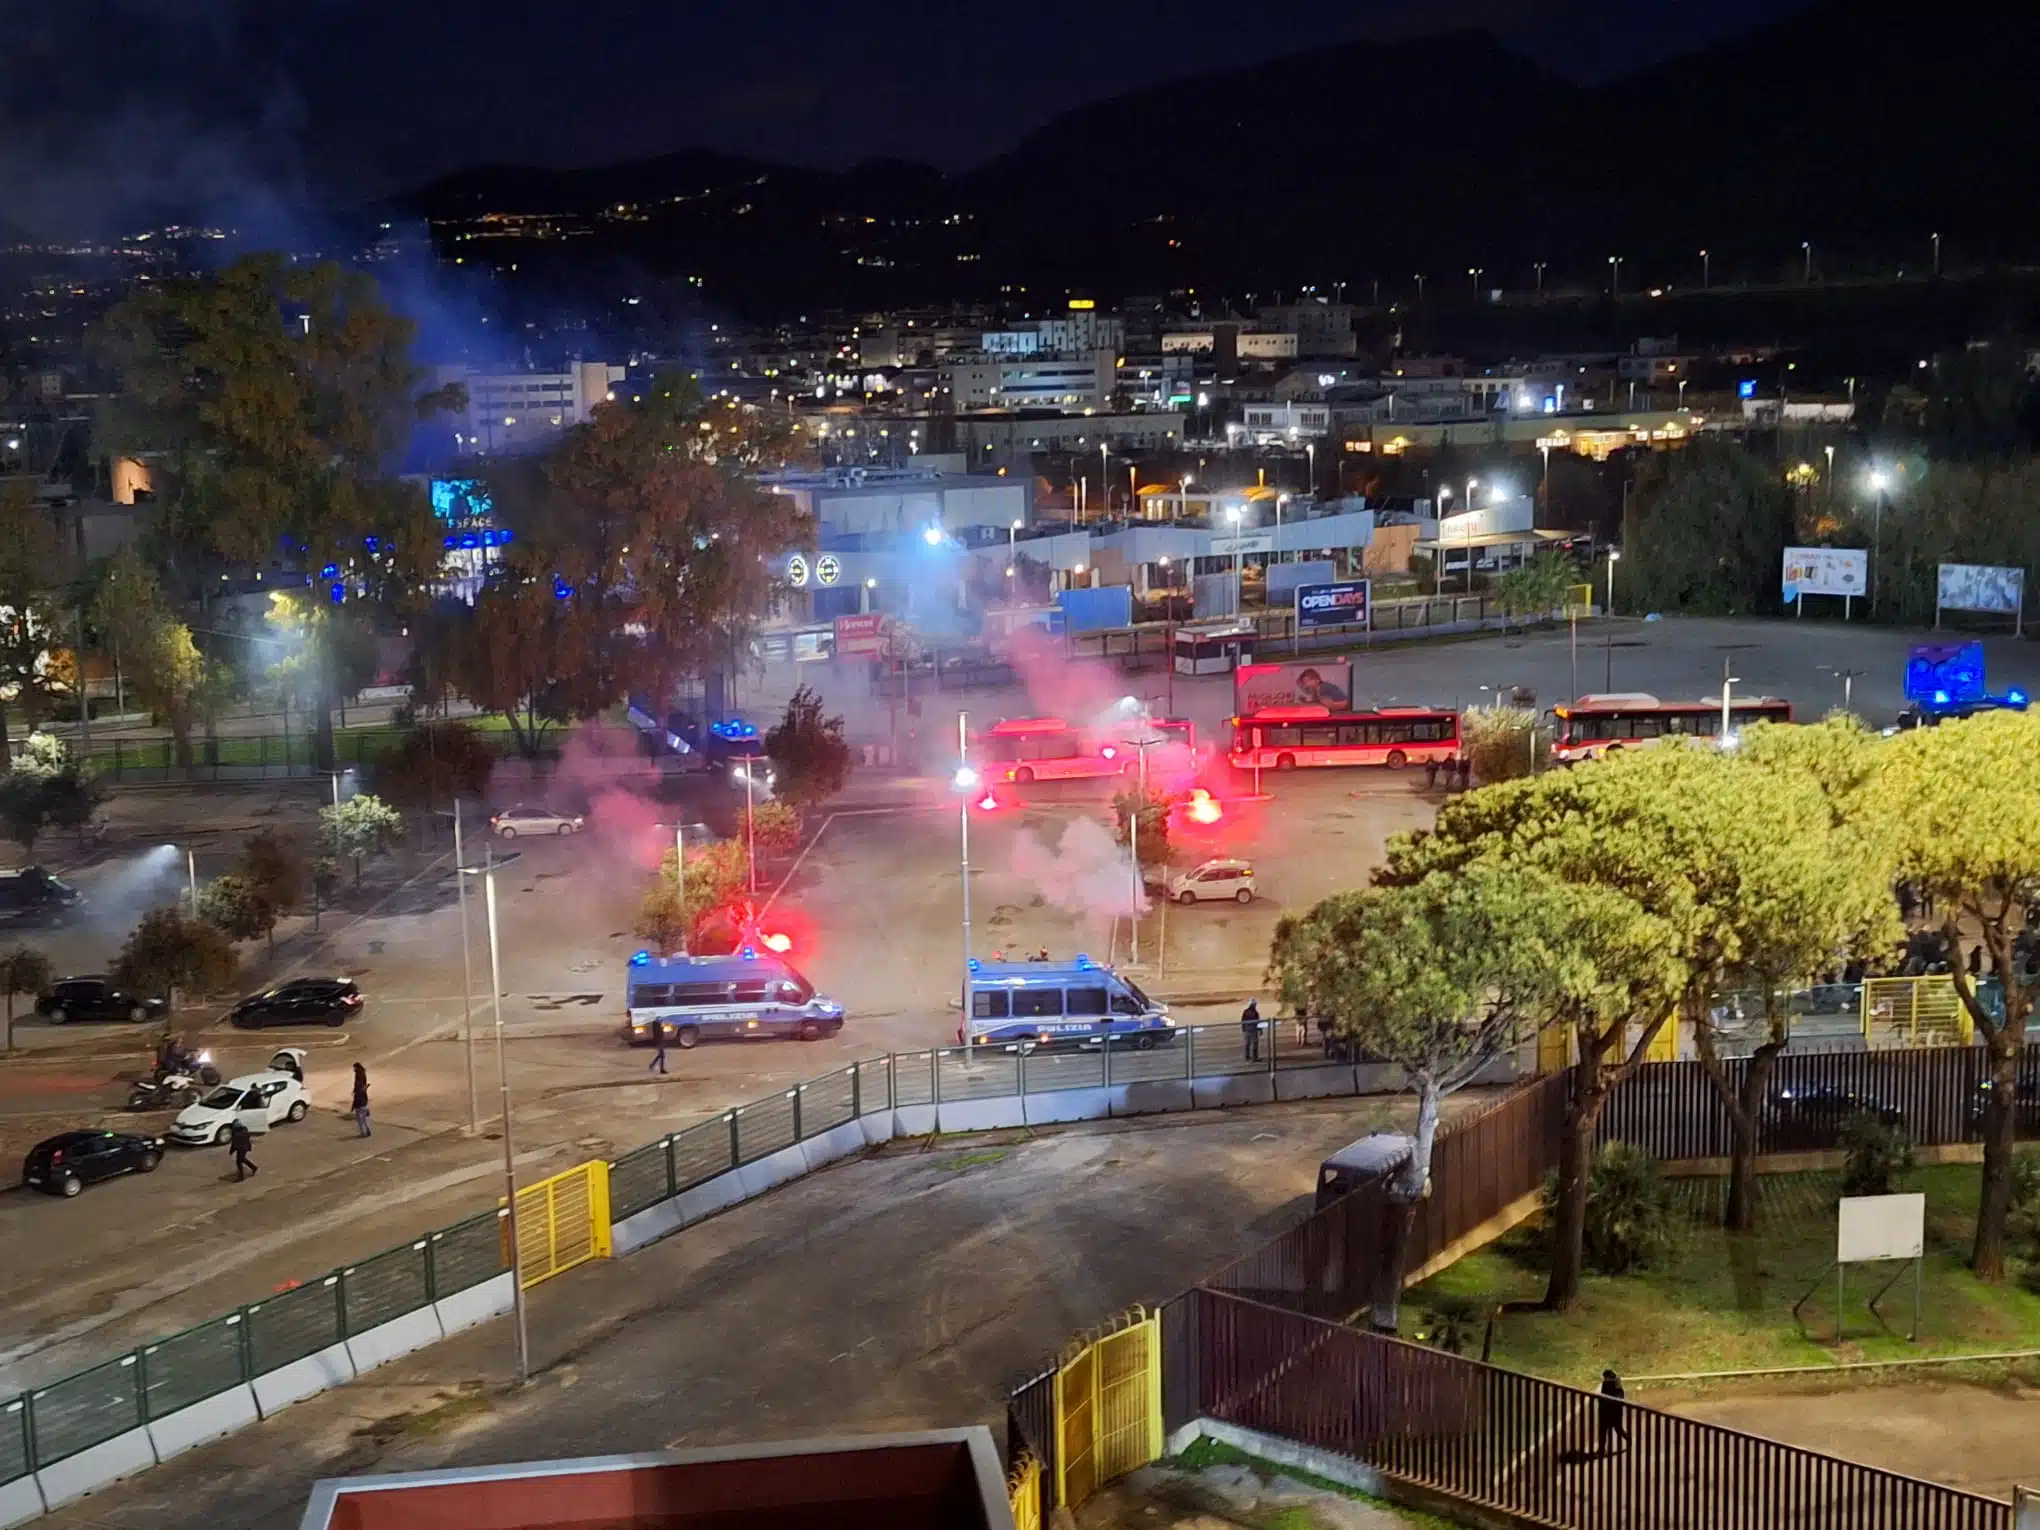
(1029, 1003)
(1280, 738)
(988, 1004)
(1086, 1001)
(1320, 738)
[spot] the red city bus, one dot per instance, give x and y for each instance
(1284, 738)
(1027, 749)
(1594, 725)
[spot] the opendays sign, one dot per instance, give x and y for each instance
(1332, 605)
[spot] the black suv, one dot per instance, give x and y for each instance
(68, 1162)
(96, 998)
(301, 1001)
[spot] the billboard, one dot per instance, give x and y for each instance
(860, 636)
(1107, 607)
(1325, 683)
(1841, 571)
(1332, 605)
(1981, 587)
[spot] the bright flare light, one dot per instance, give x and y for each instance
(1203, 807)
(777, 942)
(965, 778)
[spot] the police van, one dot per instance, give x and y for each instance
(690, 999)
(1020, 1006)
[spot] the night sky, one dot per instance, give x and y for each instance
(231, 107)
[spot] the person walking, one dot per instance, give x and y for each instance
(359, 1103)
(1250, 1029)
(658, 1062)
(239, 1142)
(1612, 1409)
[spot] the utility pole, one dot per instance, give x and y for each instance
(467, 977)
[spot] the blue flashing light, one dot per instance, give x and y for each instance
(1747, 388)
(449, 541)
(339, 593)
(976, 965)
(748, 954)
(1941, 698)
(1084, 963)
(470, 540)
(640, 958)
(561, 589)
(2015, 698)
(329, 571)
(732, 728)
(373, 544)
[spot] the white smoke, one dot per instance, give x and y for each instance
(1084, 874)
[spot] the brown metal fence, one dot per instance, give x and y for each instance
(1534, 1448)
(1484, 1163)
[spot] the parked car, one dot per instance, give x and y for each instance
(258, 1100)
(32, 897)
(513, 821)
(1806, 1120)
(95, 997)
(301, 1001)
(68, 1162)
(1221, 878)
(2025, 1105)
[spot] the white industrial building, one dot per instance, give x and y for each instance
(1069, 384)
(520, 411)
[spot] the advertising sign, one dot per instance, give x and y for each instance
(797, 571)
(1881, 1227)
(1247, 542)
(1981, 587)
(1843, 571)
(1324, 683)
(1331, 605)
(860, 636)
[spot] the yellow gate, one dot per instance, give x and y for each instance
(1579, 600)
(1023, 1492)
(1108, 1408)
(1922, 1011)
(1554, 1048)
(562, 1222)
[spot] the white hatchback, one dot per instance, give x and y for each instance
(1214, 879)
(257, 1100)
(527, 821)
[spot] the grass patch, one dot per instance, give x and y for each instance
(1724, 1302)
(1205, 1452)
(973, 1160)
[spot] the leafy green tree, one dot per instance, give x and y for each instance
(1152, 805)
(41, 755)
(1504, 742)
(162, 662)
(717, 876)
(1537, 588)
(773, 830)
(1629, 1210)
(325, 878)
(22, 970)
(810, 758)
(360, 829)
(274, 867)
(525, 652)
(1706, 533)
(237, 907)
(1441, 977)
(170, 952)
(33, 682)
(328, 653)
(1959, 800)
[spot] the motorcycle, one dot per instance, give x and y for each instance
(174, 1087)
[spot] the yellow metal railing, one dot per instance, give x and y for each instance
(1579, 600)
(1108, 1407)
(1023, 1492)
(1920, 1011)
(561, 1222)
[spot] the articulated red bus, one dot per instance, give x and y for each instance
(1024, 749)
(1593, 725)
(1286, 738)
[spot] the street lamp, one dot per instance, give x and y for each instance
(965, 780)
(1806, 250)
(1420, 286)
(1474, 273)
(1239, 596)
(1879, 482)
(1728, 682)
(1614, 557)
(487, 872)
(1105, 475)
(1615, 281)
(1706, 270)
(1538, 266)
(1937, 254)
(1310, 452)
(1012, 548)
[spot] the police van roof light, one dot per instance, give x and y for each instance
(748, 954)
(640, 958)
(1084, 963)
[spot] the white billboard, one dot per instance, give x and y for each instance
(1982, 587)
(1881, 1227)
(1841, 571)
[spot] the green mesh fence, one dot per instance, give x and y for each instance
(86, 1409)
(191, 1366)
(385, 1287)
(701, 1152)
(13, 1440)
(638, 1180)
(296, 1324)
(765, 1127)
(467, 1253)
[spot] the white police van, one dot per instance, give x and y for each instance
(1020, 1006)
(697, 998)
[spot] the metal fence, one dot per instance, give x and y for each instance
(52, 1423)
(259, 756)
(1532, 1448)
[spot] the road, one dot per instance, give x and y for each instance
(873, 907)
(901, 1290)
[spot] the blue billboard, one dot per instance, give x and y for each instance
(1343, 604)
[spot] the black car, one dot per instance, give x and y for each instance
(2025, 1105)
(301, 1001)
(96, 998)
(32, 897)
(70, 1161)
(1811, 1119)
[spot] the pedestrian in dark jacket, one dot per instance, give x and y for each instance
(360, 1101)
(658, 1062)
(239, 1142)
(1612, 1409)
(1250, 1029)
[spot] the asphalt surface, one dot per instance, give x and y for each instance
(906, 1289)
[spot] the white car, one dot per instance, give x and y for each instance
(513, 821)
(257, 1100)
(1214, 879)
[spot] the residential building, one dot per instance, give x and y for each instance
(993, 442)
(520, 411)
(1321, 328)
(1266, 424)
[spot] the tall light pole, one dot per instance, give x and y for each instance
(1706, 271)
(1830, 450)
(1239, 592)
(750, 830)
(1473, 274)
(1806, 272)
(467, 978)
(1420, 286)
(966, 781)
(487, 872)
(1615, 281)
(1105, 475)
(1012, 549)
(1538, 267)
(1937, 254)
(191, 879)
(1471, 485)
(1879, 482)
(1614, 557)
(1727, 685)
(1310, 453)
(680, 879)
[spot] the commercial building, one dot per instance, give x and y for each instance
(1321, 328)
(861, 501)
(991, 441)
(522, 411)
(1070, 384)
